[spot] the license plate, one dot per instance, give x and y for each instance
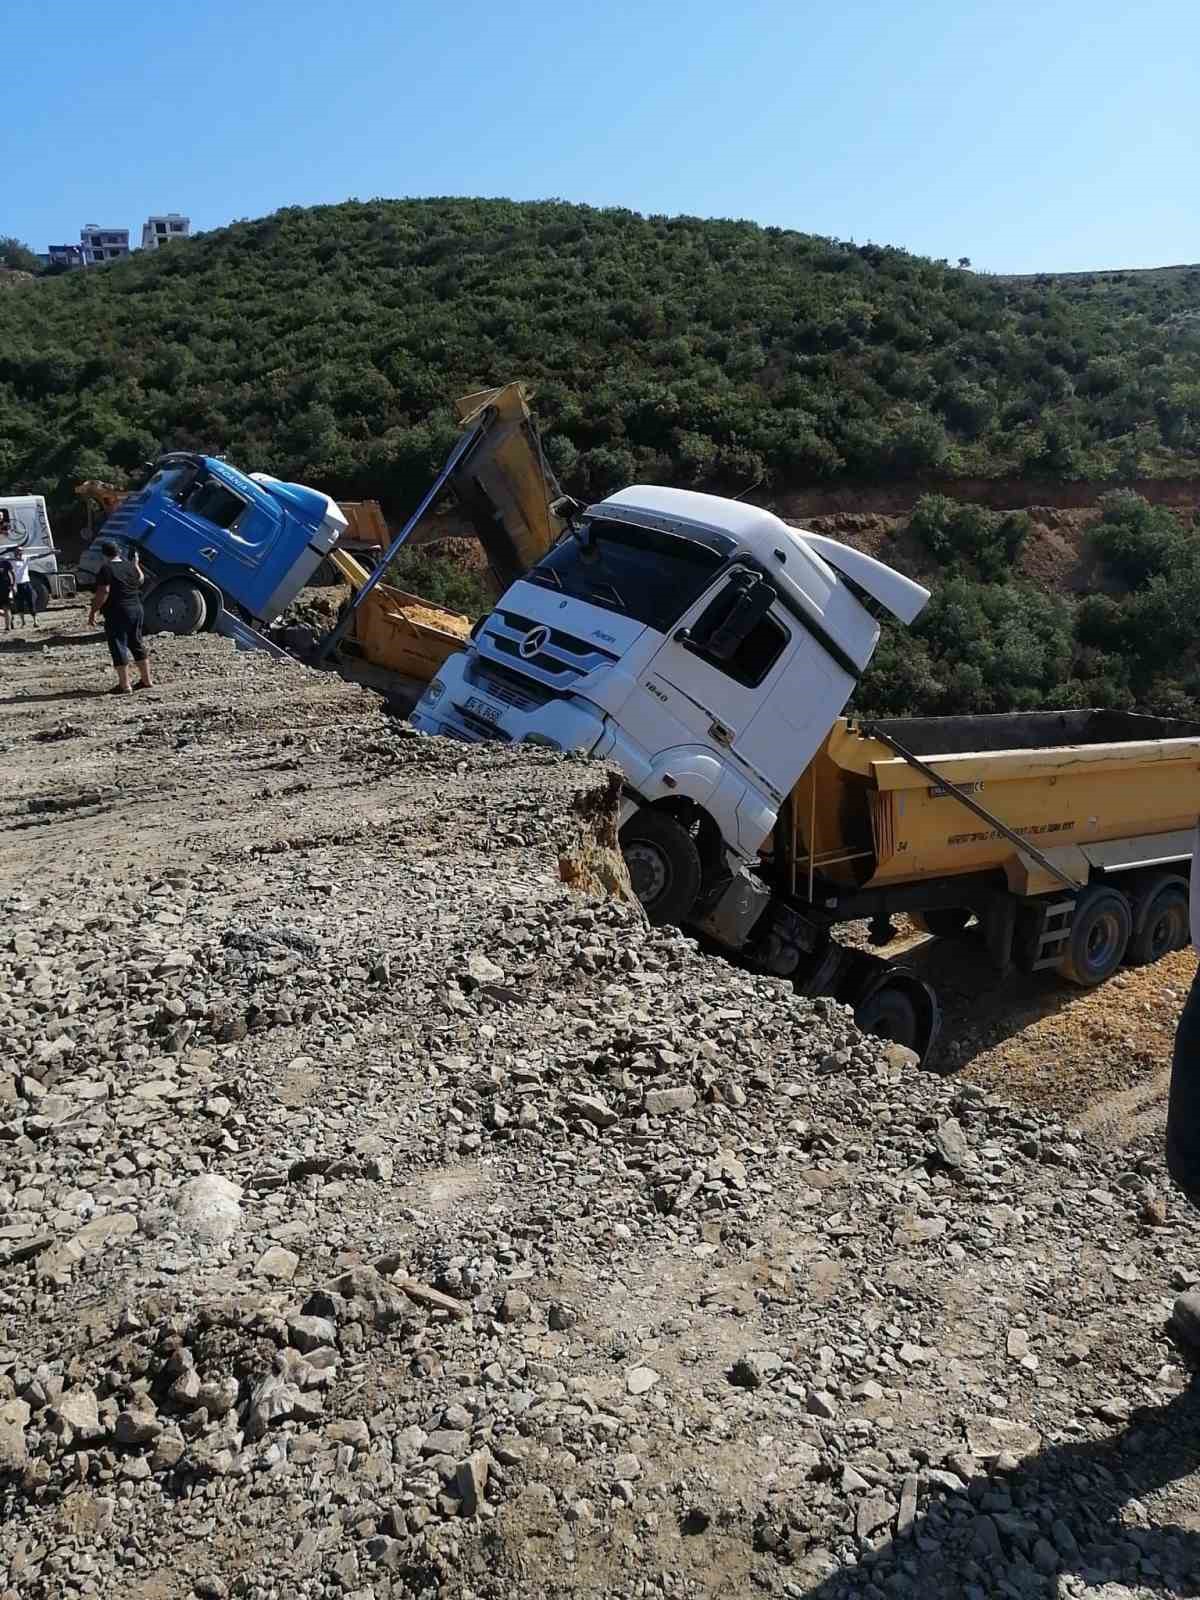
(481, 709)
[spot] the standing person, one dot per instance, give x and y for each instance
(118, 599)
(26, 599)
(8, 590)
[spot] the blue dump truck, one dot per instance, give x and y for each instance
(223, 551)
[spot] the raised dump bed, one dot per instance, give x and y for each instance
(397, 642)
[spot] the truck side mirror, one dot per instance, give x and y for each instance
(723, 627)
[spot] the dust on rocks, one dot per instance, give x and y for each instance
(380, 1217)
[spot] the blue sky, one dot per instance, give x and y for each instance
(1035, 135)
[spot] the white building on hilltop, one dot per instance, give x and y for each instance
(160, 230)
(102, 244)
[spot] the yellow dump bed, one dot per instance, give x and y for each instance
(507, 490)
(399, 632)
(366, 528)
(505, 485)
(1090, 789)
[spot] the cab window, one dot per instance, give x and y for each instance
(758, 651)
(216, 504)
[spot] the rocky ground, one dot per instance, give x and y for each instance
(382, 1217)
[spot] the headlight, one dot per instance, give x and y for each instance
(434, 692)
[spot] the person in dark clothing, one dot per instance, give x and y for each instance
(8, 593)
(118, 599)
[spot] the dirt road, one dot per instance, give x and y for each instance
(1098, 1057)
(380, 1219)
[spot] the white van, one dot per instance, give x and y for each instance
(25, 527)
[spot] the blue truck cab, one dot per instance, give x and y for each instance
(219, 546)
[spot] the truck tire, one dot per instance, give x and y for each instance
(664, 865)
(1100, 933)
(175, 606)
(1160, 922)
(894, 1004)
(943, 922)
(890, 1014)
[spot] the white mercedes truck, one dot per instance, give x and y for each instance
(705, 648)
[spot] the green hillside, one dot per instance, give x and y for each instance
(990, 641)
(325, 344)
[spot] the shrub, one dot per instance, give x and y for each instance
(968, 538)
(442, 583)
(17, 256)
(1138, 541)
(331, 342)
(975, 647)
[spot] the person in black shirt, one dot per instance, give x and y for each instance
(118, 599)
(8, 592)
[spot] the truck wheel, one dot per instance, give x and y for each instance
(176, 606)
(1161, 922)
(943, 922)
(1100, 931)
(896, 1005)
(890, 1014)
(664, 865)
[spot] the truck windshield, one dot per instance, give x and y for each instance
(170, 479)
(651, 576)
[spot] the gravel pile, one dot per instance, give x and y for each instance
(380, 1217)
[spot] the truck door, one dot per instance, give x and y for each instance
(222, 530)
(744, 674)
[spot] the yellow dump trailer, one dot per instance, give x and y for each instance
(1091, 790)
(1066, 835)
(366, 530)
(505, 485)
(396, 641)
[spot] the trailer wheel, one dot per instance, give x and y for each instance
(175, 606)
(1100, 931)
(41, 592)
(664, 865)
(894, 1004)
(1161, 922)
(890, 1015)
(943, 922)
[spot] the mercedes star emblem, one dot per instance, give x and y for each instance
(534, 641)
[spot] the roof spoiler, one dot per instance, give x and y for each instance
(896, 593)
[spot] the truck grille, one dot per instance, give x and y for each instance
(561, 641)
(554, 670)
(523, 694)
